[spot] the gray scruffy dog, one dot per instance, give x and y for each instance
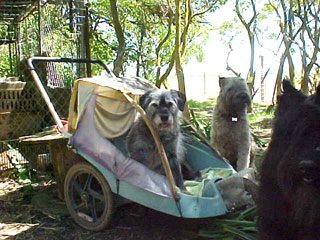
(162, 108)
(230, 133)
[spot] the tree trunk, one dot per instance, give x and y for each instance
(139, 57)
(168, 71)
(290, 63)
(251, 75)
(277, 85)
(179, 69)
(87, 40)
(315, 38)
(159, 80)
(250, 27)
(117, 66)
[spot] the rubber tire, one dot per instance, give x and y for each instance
(71, 190)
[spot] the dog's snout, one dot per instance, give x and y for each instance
(164, 118)
(309, 171)
(306, 165)
(244, 96)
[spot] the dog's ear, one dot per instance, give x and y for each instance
(317, 101)
(291, 91)
(221, 81)
(143, 100)
(290, 95)
(287, 87)
(180, 99)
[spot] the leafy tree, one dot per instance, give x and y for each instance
(103, 40)
(228, 31)
(297, 18)
(120, 36)
(308, 13)
(154, 37)
(188, 14)
(298, 23)
(284, 11)
(250, 26)
(142, 25)
(183, 21)
(149, 29)
(5, 68)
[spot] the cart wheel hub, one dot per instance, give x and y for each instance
(84, 197)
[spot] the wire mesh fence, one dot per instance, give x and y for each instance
(48, 28)
(28, 117)
(24, 112)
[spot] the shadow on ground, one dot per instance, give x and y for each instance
(37, 214)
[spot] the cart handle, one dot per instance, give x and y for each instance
(44, 93)
(69, 60)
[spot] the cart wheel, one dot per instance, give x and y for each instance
(88, 197)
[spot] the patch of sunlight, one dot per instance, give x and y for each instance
(8, 230)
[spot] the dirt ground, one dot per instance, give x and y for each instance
(37, 213)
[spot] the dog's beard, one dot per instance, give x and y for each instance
(305, 206)
(163, 125)
(303, 196)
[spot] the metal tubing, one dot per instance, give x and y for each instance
(44, 93)
(71, 60)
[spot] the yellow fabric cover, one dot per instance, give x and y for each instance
(114, 115)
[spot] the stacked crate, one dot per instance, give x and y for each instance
(17, 117)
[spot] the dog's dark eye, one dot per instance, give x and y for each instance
(155, 105)
(170, 104)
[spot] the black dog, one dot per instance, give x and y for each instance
(289, 194)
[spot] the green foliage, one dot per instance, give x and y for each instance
(196, 104)
(260, 118)
(200, 121)
(199, 128)
(142, 27)
(229, 30)
(267, 7)
(59, 38)
(29, 36)
(6, 64)
(145, 24)
(28, 192)
(202, 125)
(4, 61)
(237, 225)
(20, 170)
(260, 112)
(260, 142)
(103, 40)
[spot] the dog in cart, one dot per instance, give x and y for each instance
(162, 108)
